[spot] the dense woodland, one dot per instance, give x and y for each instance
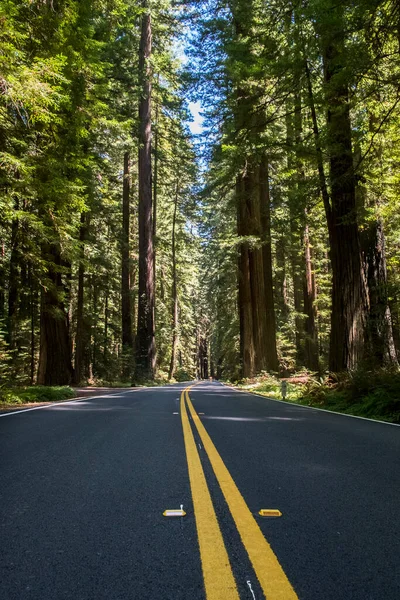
(132, 250)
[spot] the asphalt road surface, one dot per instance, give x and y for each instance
(84, 484)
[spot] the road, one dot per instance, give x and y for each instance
(83, 486)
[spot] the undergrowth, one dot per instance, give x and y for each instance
(372, 394)
(35, 393)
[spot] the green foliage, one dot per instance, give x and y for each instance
(370, 394)
(375, 395)
(271, 387)
(36, 394)
(182, 374)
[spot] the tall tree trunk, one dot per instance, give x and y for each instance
(265, 206)
(155, 192)
(13, 284)
(126, 312)
(349, 292)
(380, 330)
(145, 340)
(80, 338)
(247, 350)
(33, 303)
(175, 337)
(258, 302)
(105, 340)
(382, 349)
(2, 280)
(309, 347)
(55, 361)
(310, 294)
(318, 148)
(295, 238)
(281, 281)
(93, 336)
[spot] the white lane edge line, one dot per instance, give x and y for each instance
(331, 412)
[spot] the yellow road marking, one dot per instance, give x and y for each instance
(217, 573)
(270, 574)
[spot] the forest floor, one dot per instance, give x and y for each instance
(374, 395)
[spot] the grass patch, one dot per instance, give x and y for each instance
(35, 393)
(375, 395)
(267, 385)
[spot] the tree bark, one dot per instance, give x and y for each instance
(105, 340)
(145, 340)
(382, 351)
(126, 312)
(55, 361)
(318, 148)
(310, 293)
(13, 284)
(271, 354)
(247, 350)
(281, 281)
(2, 280)
(175, 336)
(33, 309)
(80, 338)
(349, 292)
(256, 267)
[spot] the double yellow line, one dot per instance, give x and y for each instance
(217, 572)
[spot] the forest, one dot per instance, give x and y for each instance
(265, 247)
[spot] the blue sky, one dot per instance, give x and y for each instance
(196, 126)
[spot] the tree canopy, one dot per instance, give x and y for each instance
(133, 250)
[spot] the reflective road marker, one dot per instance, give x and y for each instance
(174, 512)
(270, 512)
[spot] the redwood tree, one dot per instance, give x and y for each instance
(145, 341)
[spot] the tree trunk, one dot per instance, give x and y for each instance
(309, 346)
(145, 341)
(2, 280)
(55, 361)
(175, 337)
(33, 304)
(318, 148)
(80, 338)
(265, 204)
(126, 312)
(155, 194)
(13, 284)
(382, 349)
(247, 350)
(380, 330)
(310, 325)
(105, 340)
(349, 293)
(256, 267)
(280, 280)
(295, 238)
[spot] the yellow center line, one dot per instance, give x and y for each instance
(270, 574)
(217, 573)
